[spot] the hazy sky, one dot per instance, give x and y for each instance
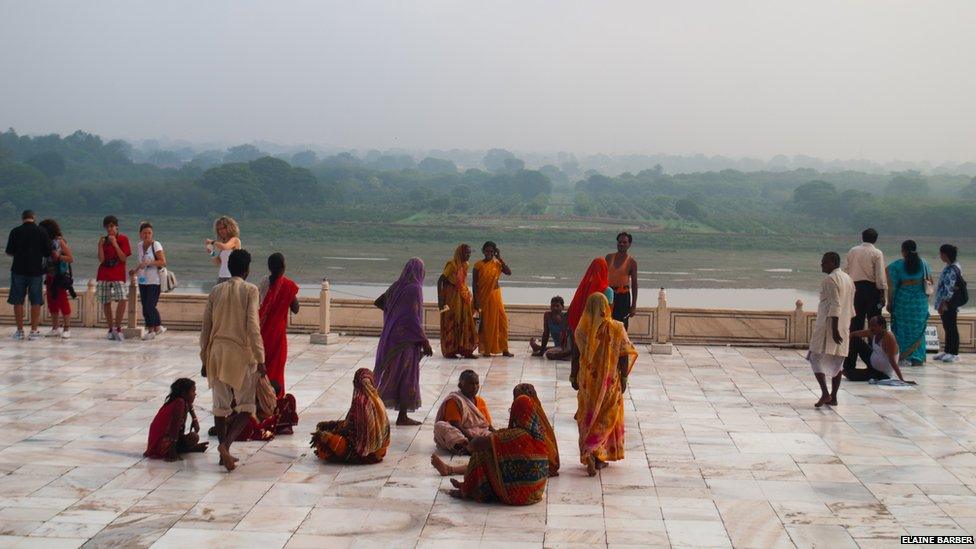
(851, 78)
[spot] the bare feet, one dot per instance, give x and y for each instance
(508, 354)
(456, 494)
(456, 483)
(438, 463)
(199, 447)
(832, 401)
(601, 464)
(823, 400)
(486, 355)
(591, 466)
(471, 356)
(452, 355)
(405, 421)
(228, 461)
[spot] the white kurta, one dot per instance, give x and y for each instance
(836, 300)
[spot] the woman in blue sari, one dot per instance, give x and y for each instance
(908, 302)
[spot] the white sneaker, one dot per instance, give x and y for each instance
(66, 334)
(19, 335)
(162, 330)
(939, 356)
(111, 334)
(55, 332)
(35, 334)
(950, 358)
(148, 336)
(118, 335)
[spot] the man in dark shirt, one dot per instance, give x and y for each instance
(29, 245)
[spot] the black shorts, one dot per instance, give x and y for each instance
(621, 307)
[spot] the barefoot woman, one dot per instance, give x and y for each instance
(510, 465)
(402, 343)
(603, 360)
(459, 335)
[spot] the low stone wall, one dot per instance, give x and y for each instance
(323, 316)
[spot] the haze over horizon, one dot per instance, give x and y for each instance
(878, 80)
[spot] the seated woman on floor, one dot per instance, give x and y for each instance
(364, 435)
(509, 465)
(552, 448)
(555, 325)
(166, 437)
(882, 357)
(462, 416)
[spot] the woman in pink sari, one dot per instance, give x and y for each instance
(277, 298)
(402, 343)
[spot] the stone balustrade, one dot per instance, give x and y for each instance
(323, 317)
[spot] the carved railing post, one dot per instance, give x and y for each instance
(662, 326)
(89, 310)
(799, 333)
(324, 336)
(132, 329)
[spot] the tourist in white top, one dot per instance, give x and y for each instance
(831, 331)
(883, 358)
(151, 258)
(228, 239)
(866, 266)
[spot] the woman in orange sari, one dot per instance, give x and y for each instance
(599, 374)
(459, 335)
(552, 448)
(364, 435)
(279, 296)
(510, 465)
(493, 331)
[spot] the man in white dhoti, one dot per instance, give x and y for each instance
(832, 330)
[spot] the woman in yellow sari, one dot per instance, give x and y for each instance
(459, 335)
(364, 435)
(601, 364)
(493, 331)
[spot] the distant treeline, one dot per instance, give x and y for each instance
(80, 173)
(797, 201)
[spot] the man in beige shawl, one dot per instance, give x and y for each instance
(232, 353)
(832, 329)
(462, 416)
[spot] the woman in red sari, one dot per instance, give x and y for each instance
(595, 280)
(166, 437)
(277, 297)
(510, 466)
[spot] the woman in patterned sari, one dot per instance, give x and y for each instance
(605, 359)
(459, 335)
(493, 331)
(403, 342)
(510, 465)
(908, 303)
(364, 435)
(552, 448)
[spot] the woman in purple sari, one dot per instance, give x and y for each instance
(402, 342)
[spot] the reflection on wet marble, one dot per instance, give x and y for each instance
(724, 449)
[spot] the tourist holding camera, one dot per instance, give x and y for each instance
(113, 251)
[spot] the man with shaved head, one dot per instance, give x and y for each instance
(832, 330)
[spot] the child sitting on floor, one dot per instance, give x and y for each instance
(166, 437)
(555, 324)
(462, 416)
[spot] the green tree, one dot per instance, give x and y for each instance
(243, 153)
(437, 166)
(907, 184)
(50, 163)
(689, 209)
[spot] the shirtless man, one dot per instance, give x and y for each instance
(623, 279)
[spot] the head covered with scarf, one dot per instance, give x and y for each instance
(596, 280)
(370, 426)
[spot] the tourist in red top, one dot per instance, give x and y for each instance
(113, 250)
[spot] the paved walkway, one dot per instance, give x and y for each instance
(724, 448)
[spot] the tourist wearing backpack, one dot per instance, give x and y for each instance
(950, 296)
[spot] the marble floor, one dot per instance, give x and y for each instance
(724, 448)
